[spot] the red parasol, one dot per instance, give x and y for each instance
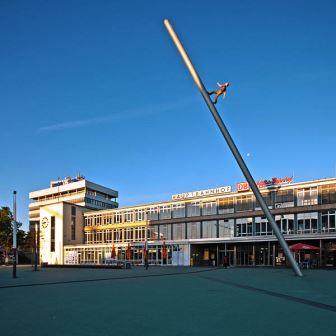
(301, 246)
(113, 252)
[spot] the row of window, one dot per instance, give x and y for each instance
(282, 198)
(99, 194)
(58, 195)
(178, 231)
(98, 203)
(306, 223)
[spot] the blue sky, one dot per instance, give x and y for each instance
(97, 87)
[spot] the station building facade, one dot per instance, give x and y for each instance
(198, 228)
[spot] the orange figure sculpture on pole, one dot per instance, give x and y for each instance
(113, 252)
(221, 91)
(164, 251)
(128, 252)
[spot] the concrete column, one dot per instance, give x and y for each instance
(234, 255)
(274, 255)
(321, 247)
(319, 221)
(295, 224)
(269, 254)
(157, 254)
(253, 255)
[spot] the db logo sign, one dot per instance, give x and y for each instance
(243, 186)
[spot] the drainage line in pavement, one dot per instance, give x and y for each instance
(106, 279)
(275, 294)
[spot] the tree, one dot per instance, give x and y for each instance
(6, 233)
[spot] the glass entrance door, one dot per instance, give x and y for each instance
(221, 255)
(244, 255)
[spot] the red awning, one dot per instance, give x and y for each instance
(301, 246)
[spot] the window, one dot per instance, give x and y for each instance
(165, 232)
(262, 227)
(153, 232)
(244, 227)
(328, 221)
(284, 196)
(178, 231)
(209, 229)
(194, 230)
(244, 203)
(139, 234)
(267, 198)
(128, 234)
(128, 216)
(140, 215)
(52, 234)
(73, 228)
(108, 219)
(153, 214)
(307, 196)
(88, 238)
(165, 212)
(99, 237)
(285, 223)
(73, 223)
(226, 228)
(178, 210)
(108, 236)
(193, 209)
(117, 217)
(225, 205)
(328, 194)
(307, 222)
(117, 235)
(209, 208)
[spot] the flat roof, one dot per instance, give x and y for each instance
(72, 186)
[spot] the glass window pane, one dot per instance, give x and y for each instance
(209, 229)
(194, 230)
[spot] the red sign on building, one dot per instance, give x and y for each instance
(244, 186)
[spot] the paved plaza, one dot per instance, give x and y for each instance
(167, 301)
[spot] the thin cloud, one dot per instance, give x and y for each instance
(124, 115)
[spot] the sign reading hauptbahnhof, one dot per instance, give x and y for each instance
(201, 193)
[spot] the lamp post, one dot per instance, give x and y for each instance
(14, 234)
(232, 146)
(35, 247)
(146, 246)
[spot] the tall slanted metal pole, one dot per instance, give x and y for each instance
(14, 234)
(232, 146)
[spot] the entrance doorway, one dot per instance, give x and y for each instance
(245, 255)
(221, 256)
(264, 254)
